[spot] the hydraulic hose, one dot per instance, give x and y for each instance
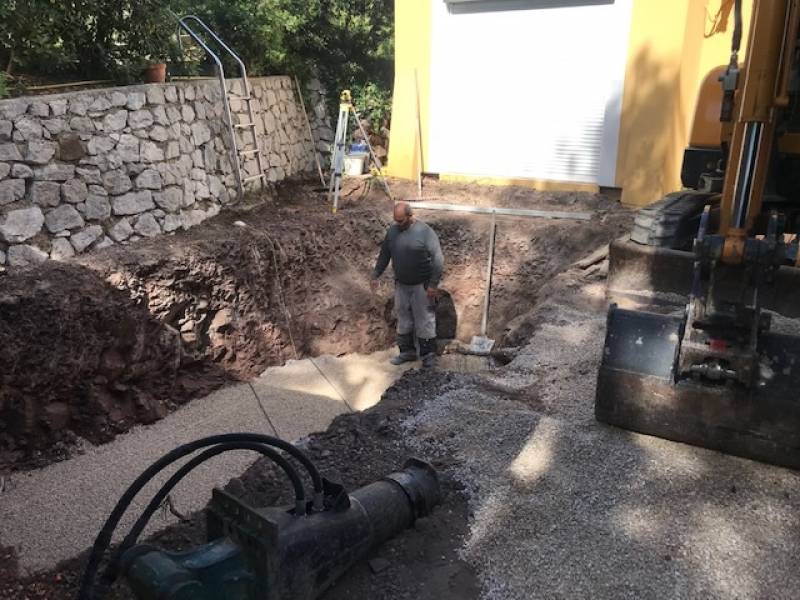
(110, 574)
(103, 539)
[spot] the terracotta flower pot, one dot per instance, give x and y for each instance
(156, 73)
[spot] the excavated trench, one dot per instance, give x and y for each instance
(126, 335)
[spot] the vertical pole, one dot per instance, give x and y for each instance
(420, 161)
(310, 131)
(489, 269)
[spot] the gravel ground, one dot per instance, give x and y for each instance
(564, 507)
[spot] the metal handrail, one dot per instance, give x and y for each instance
(225, 46)
(221, 75)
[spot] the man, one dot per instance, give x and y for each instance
(413, 247)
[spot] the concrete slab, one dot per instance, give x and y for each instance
(54, 513)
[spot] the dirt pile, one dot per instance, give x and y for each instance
(79, 358)
(125, 335)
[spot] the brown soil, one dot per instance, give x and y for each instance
(182, 314)
(127, 334)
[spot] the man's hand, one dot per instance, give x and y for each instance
(373, 285)
(433, 293)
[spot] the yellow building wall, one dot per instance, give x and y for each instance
(671, 48)
(412, 67)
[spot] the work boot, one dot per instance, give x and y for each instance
(407, 351)
(427, 350)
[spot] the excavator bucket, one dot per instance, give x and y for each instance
(637, 389)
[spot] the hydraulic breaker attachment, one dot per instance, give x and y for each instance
(275, 554)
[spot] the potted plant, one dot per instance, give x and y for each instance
(150, 40)
(155, 70)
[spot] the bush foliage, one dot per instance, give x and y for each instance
(347, 43)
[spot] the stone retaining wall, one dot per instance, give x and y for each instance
(91, 169)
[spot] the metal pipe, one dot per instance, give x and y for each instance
(513, 212)
(489, 269)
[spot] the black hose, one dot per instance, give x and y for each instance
(110, 574)
(103, 539)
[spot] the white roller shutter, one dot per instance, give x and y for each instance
(527, 88)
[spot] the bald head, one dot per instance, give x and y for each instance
(403, 215)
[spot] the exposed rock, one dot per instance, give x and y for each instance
(216, 186)
(74, 191)
(104, 243)
(128, 148)
(187, 112)
(63, 217)
(24, 256)
(58, 107)
(82, 125)
(115, 121)
(133, 203)
(90, 176)
(150, 152)
(40, 152)
(159, 134)
(147, 226)
(11, 190)
(61, 249)
(78, 106)
(5, 130)
(21, 224)
(121, 231)
(28, 128)
(155, 94)
(198, 175)
(54, 172)
(171, 94)
(173, 223)
(100, 144)
(160, 115)
(11, 109)
(117, 182)
(83, 239)
(173, 114)
(136, 100)
(100, 104)
(149, 179)
(169, 199)
(140, 119)
(118, 99)
(46, 193)
(201, 134)
(97, 208)
(54, 126)
(5, 169)
(2, 257)
(192, 218)
(9, 152)
(70, 147)
(173, 150)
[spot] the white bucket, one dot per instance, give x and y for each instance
(354, 164)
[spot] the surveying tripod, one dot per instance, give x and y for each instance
(340, 150)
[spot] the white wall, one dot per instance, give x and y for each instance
(528, 88)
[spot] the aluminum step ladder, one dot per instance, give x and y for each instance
(237, 155)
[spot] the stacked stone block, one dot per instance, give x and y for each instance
(92, 169)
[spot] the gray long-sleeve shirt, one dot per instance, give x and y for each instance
(415, 254)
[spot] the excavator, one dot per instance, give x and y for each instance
(703, 339)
